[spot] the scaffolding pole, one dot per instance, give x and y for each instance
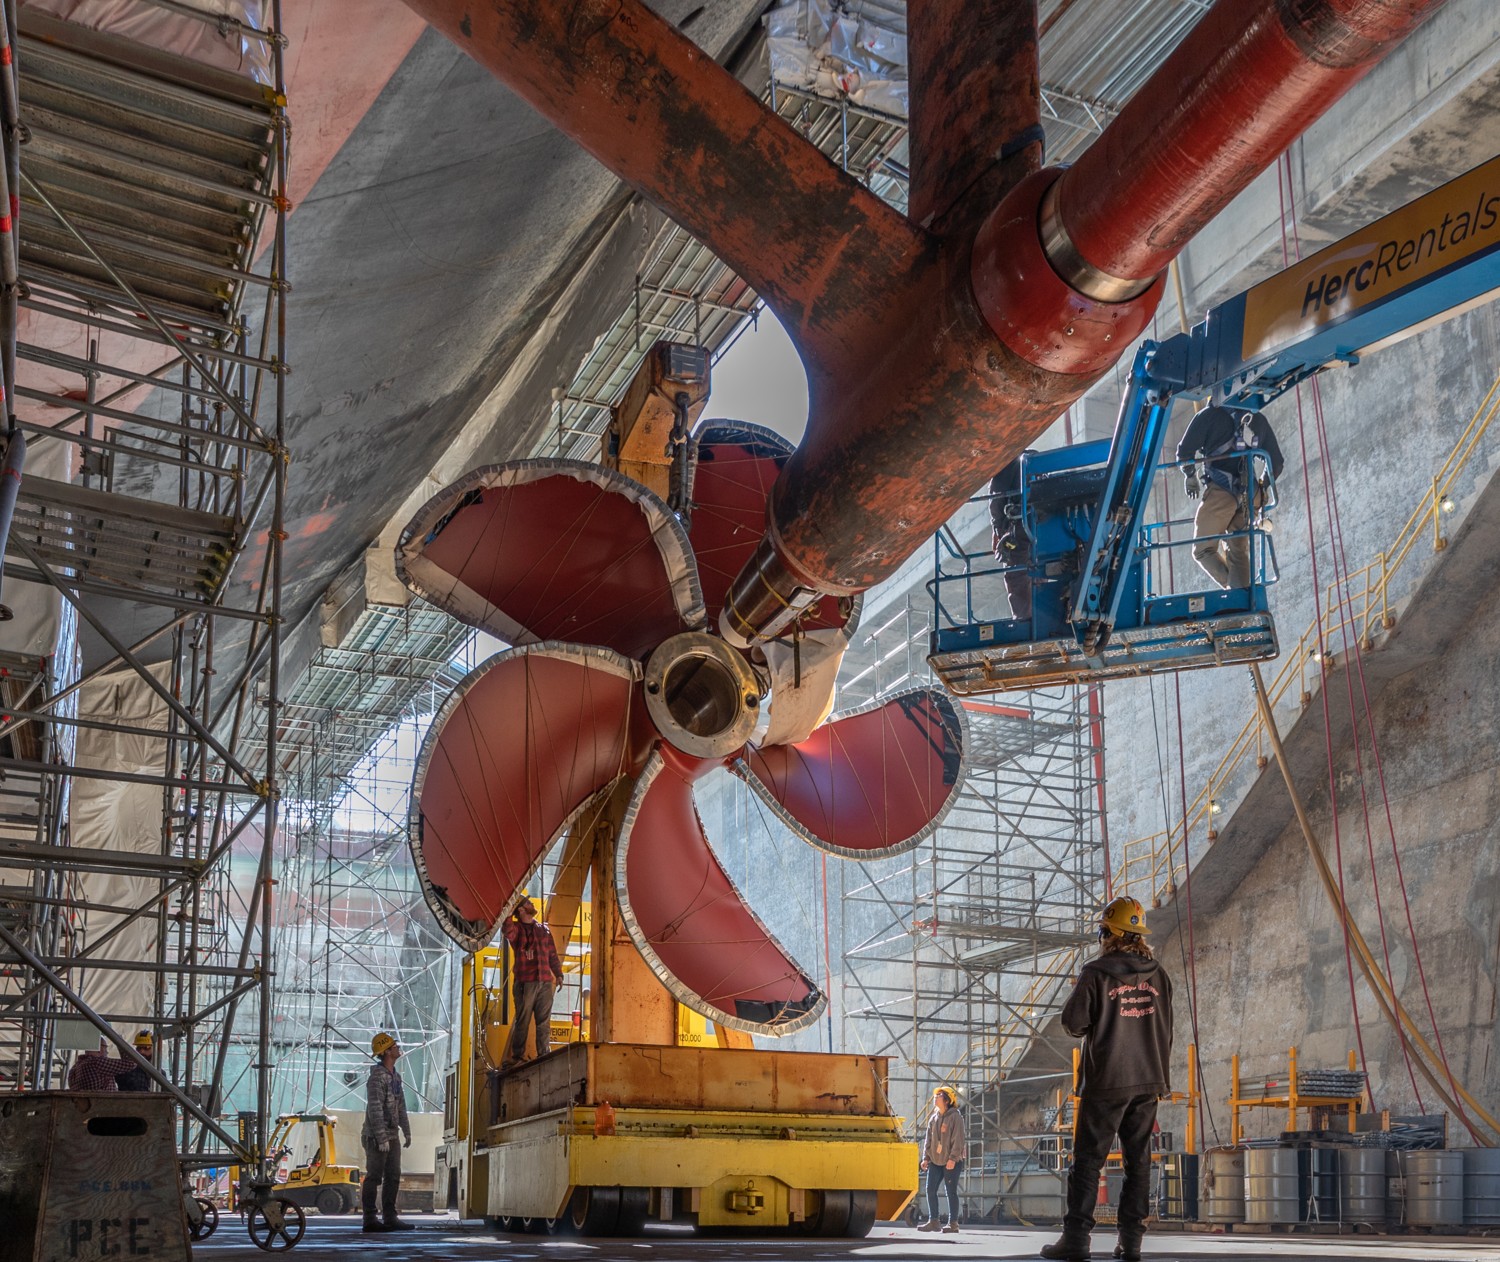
(151, 278)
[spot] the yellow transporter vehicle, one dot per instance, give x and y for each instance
(600, 1138)
(319, 1182)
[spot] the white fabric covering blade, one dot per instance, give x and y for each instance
(818, 46)
(797, 710)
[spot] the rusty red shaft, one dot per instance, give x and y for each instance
(675, 125)
(1246, 81)
(935, 356)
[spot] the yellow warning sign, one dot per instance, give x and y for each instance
(1448, 225)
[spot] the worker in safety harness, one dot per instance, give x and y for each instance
(1121, 1007)
(1229, 485)
(1012, 545)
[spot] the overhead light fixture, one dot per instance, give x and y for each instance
(1447, 504)
(1215, 807)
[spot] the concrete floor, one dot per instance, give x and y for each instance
(439, 1238)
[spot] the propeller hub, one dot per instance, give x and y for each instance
(703, 696)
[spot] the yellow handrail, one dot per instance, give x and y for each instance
(1154, 877)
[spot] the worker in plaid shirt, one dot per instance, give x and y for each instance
(96, 1071)
(537, 974)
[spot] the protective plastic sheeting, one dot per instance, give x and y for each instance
(217, 38)
(689, 920)
(871, 783)
(515, 754)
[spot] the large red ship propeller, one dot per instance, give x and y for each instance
(617, 671)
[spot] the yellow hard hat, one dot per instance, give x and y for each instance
(381, 1044)
(1124, 915)
(143, 1038)
(949, 1092)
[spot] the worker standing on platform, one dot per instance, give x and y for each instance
(385, 1116)
(1012, 545)
(943, 1157)
(1121, 1007)
(1218, 469)
(537, 974)
(136, 1078)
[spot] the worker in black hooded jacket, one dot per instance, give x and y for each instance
(1121, 1007)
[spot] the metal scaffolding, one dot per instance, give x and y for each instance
(361, 951)
(141, 802)
(956, 956)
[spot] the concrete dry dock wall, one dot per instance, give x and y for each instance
(1269, 950)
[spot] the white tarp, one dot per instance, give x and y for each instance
(209, 40)
(43, 627)
(108, 815)
(839, 48)
(797, 709)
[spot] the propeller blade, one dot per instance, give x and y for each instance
(736, 465)
(870, 783)
(688, 919)
(516, 753)
(555, 550)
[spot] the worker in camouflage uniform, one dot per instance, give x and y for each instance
(386, 1124)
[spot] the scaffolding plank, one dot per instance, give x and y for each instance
(118, 538)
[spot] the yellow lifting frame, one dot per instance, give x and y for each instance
(1291, 1101)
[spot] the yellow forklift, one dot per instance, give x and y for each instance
(320, 1182)
(643, 1111)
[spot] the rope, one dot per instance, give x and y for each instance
(1187, 896)
(1346, 609)
(1162, 780)
(1312, 540)
(1336, 535)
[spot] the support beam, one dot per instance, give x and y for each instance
(1244, 83)
(627, 1003)
(821, 249)
(974, 96)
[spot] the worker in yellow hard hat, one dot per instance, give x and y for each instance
(385, 1116)
(135, 1078)
(1121, 1007)
(943, 1157)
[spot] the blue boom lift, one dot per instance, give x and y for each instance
(1104, 600)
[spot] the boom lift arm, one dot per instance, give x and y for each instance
(1095, 614)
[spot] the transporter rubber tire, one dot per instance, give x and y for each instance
(833, 1215)
(331, 1201)
(862, 1207)
(635, 1208)
(592, 1211)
